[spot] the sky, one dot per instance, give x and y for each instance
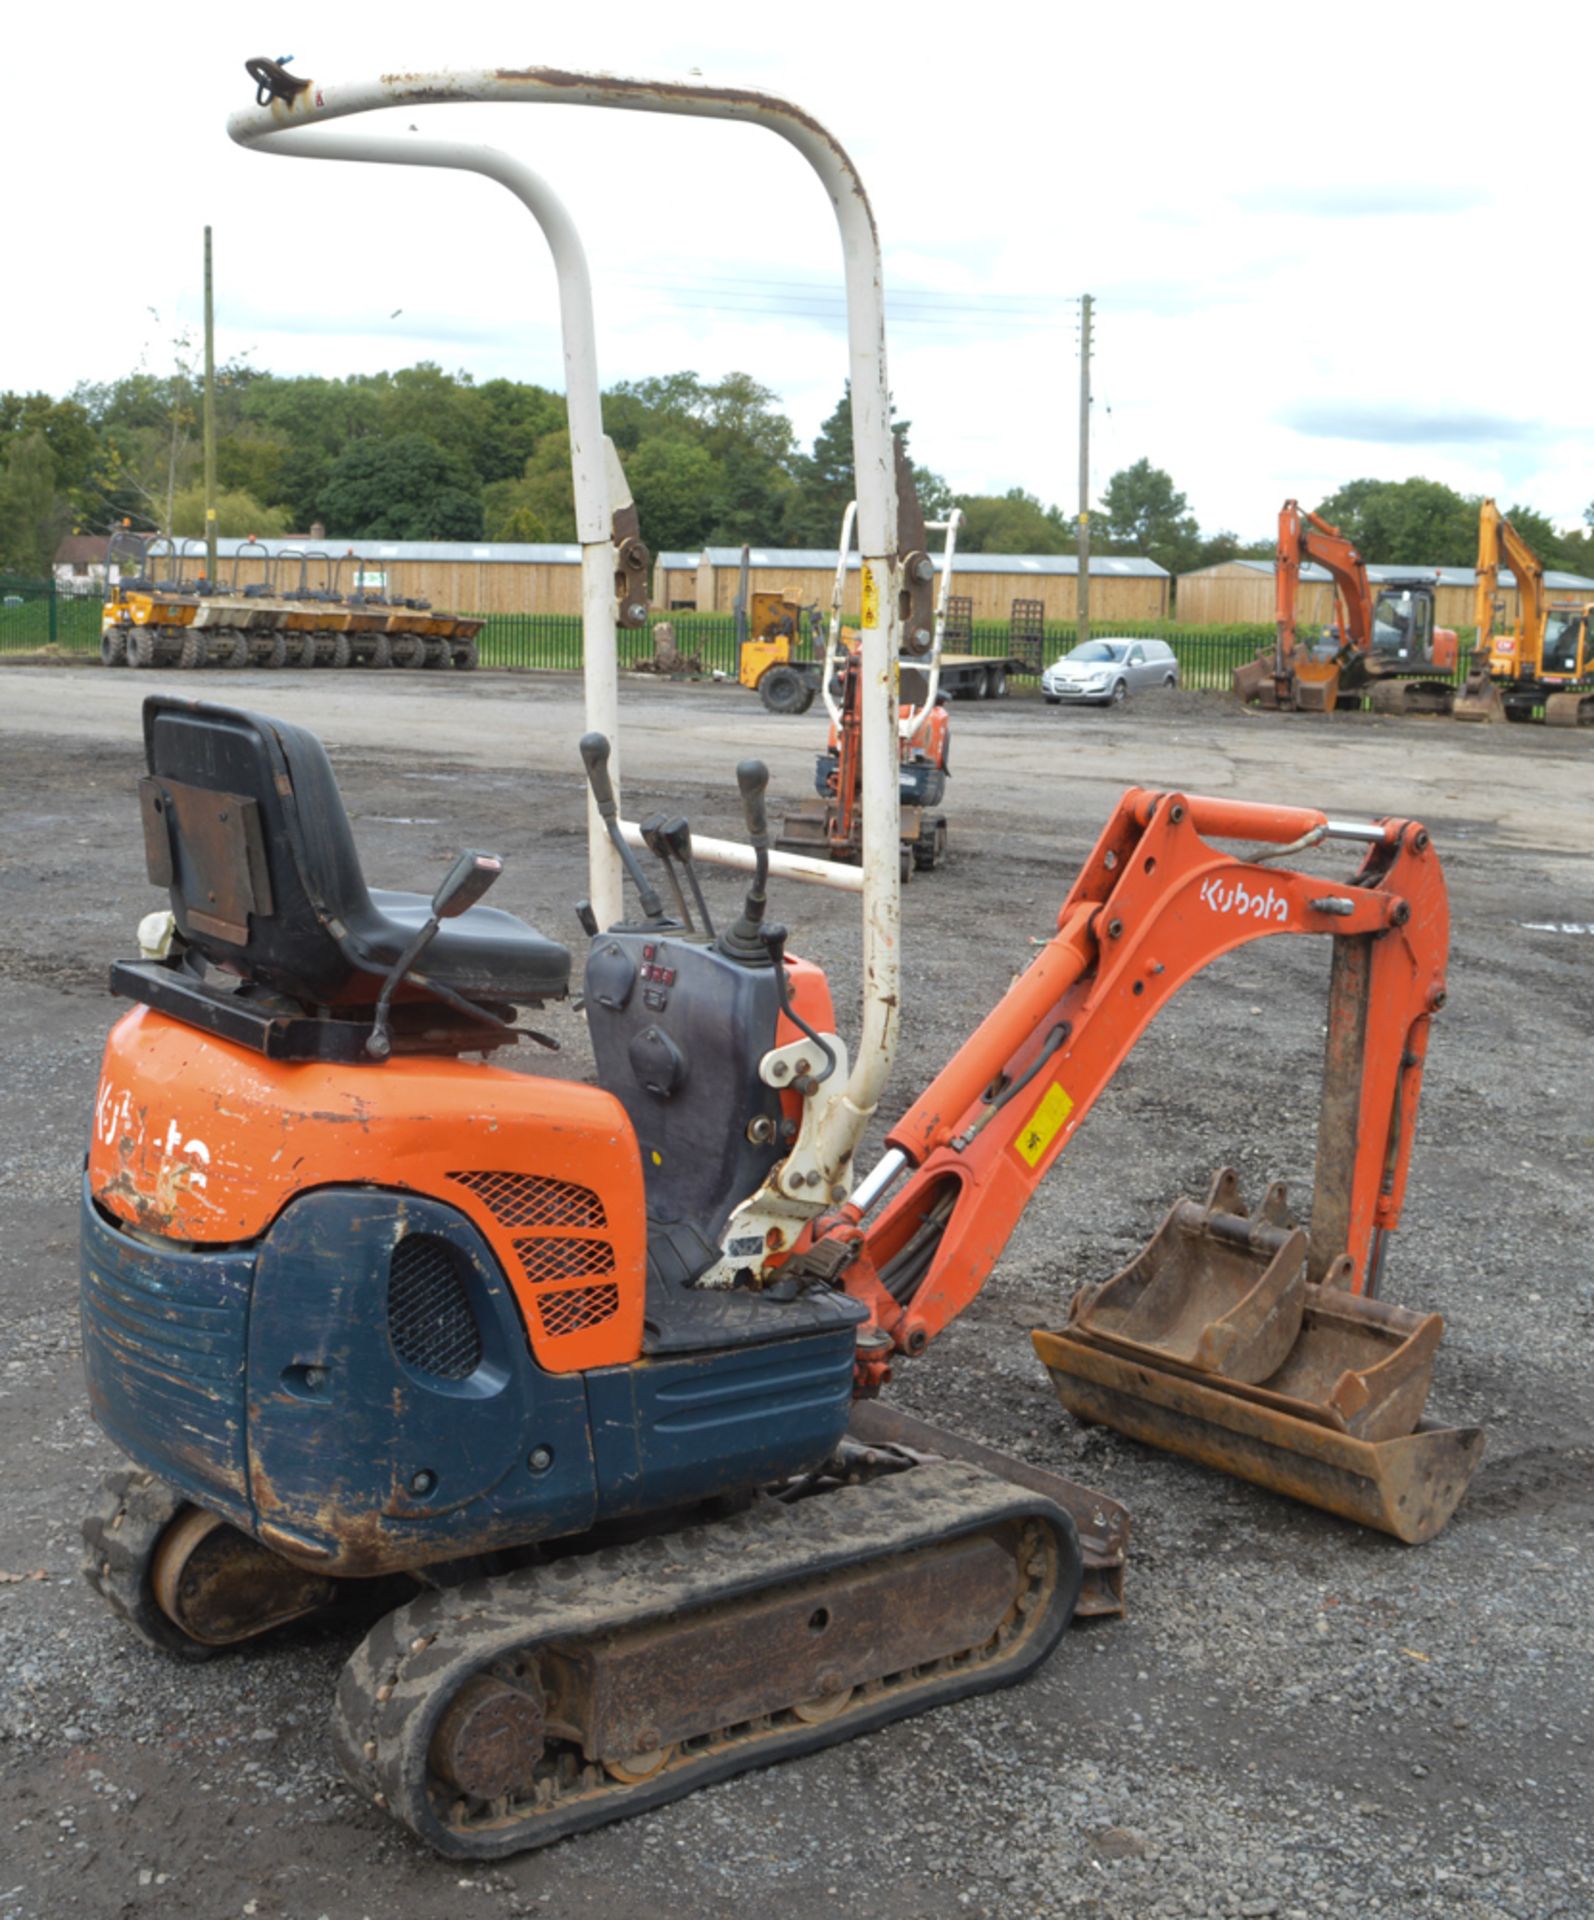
(1320, 245)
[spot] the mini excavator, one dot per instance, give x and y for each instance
(830, 826)
(594, 1366)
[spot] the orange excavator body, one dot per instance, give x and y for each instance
(1296, 678)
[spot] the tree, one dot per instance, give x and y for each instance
(1406, 523)
(1579, 547)
(1542, 535)
(673, 483)
(543, 498)
(1012, 522)
(256, 464)
(1142, 512)
(514, 417)
(825, 481)
(32, 520)
(407, 488)
(238, 514)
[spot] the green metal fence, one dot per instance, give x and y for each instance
(35, 616)
(1206, 655)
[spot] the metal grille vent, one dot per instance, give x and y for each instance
(547, 1260)
(429, 1317)
(530, 1200)
(577, 1307)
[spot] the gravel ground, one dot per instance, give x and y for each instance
(1297, 1718)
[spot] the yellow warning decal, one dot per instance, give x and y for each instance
(870, 616)
(1044, 1124)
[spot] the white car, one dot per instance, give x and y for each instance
(1106, 672)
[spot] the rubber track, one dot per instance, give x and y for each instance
(119, 1534)
(398, 1682)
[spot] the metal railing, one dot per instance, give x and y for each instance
(552, 642)
(36, 616)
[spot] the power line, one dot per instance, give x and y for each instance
(910, 306)
(835, 315)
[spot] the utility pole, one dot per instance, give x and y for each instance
(210, 420)
(1082, 594)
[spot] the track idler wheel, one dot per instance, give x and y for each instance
(218, 1586)
(183, 1579)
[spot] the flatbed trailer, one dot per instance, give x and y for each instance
(792, 685)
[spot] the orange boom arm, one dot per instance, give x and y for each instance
(1154, 904)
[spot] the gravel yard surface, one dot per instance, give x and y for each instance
(1296, 1719)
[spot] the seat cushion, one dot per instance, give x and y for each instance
(484, 954)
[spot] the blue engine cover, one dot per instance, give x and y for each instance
(293, 1387)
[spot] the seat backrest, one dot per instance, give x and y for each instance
(243, 822)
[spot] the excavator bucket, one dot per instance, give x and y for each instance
(1316, 685)
(1254, 681)
(1570, 709)
(806, 829)
(1211, 1290)
(1478, 698)
(1170, 1352)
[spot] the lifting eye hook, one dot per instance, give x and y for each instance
(273, 80)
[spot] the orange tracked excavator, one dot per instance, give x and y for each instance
(594, 1364)
(1387, 645)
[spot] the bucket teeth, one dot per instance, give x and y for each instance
(1212, 1344)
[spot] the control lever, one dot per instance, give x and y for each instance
(774, 941)
(595, 758)
(679, 834)
(743, 942)
(656, 840)
(463, 885)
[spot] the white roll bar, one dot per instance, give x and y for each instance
(592, 472)
(291, 105)
(909, 728)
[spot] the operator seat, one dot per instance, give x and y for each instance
(243, 822)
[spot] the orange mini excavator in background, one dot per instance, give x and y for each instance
(1388, 644)
(593, 1365)
(830, 826)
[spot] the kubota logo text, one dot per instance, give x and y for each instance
(114, 1118)
(1235, 897)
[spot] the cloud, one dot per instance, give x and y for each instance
(1401, 427)
(1371, 201)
